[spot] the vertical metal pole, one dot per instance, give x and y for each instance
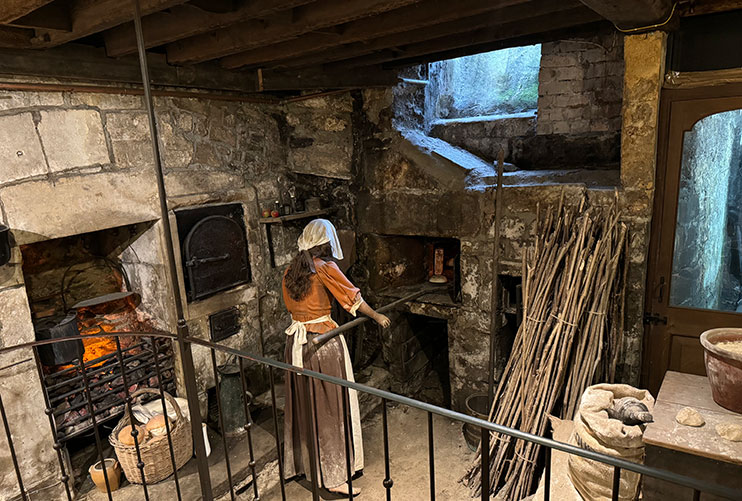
(12, 451)
(495, 299)
(129, 401)
(91, 413)
(311, 436)
(221, 424)
(547, 474)
(346, 431)
(616, 483)
(388, 483)
(184, 347)
(484, 476)
(246, 398)
(49, 411)
(160, 383)
(431, 455)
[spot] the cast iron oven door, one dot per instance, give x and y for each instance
(216, 257)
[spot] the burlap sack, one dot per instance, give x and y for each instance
(594, 430)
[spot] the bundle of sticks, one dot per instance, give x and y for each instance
(574, 280)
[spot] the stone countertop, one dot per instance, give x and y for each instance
(686, 390)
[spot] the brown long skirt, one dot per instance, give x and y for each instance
(326, 413)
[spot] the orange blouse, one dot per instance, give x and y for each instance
(317, 303)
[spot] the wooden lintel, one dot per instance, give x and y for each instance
(701, 7)
(10, 10)
(316, 79)
(185, 21)
(307, 18)
(505, 35)
(82, 63)
(491, 21)
(630, 14)
(405, 19)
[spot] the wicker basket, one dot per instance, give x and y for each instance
(155, 452)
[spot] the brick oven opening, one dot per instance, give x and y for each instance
(83, 285)
(402, 264)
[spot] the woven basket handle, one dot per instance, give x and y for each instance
(168, 397)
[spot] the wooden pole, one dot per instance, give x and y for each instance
(495, 299)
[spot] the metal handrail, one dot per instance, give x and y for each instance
(668, 476)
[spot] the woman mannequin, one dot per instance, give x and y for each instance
(309, 284)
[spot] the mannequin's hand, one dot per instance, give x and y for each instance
(383, 321)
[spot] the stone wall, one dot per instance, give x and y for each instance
(399, 179)
(77, 162)
(578, 121)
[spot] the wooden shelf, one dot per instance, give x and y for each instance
(294, 217)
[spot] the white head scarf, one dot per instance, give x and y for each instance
(318, 232)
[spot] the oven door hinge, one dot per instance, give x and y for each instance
(654, 319)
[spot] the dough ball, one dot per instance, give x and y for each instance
(730, 431)
(688, 416)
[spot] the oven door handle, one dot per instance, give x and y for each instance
(195, 261)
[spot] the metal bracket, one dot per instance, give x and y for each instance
(654, 319)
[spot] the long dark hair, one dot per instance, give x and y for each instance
(301, 269)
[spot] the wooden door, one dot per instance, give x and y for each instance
(694, 280)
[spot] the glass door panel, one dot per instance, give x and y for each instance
(707, 257)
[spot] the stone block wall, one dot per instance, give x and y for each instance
(578, 120)
(76, 162)
(580, 86)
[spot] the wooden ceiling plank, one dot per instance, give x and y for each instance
(701, 7)
(627, 14)
(428, 13)
(185, 21)
(14, 9)
(93, 16)
(53, 16)
(308, 18)
(492, 20)
(566, 19)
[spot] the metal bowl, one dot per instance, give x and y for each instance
(723, 368)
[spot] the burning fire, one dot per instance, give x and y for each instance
(96, 347)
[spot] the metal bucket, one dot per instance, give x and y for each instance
(476, 406)
(63, 352)
(233, 405)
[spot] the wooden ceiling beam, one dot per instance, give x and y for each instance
(431, 50)
(491, 20)
(428, 13)
(701, 7)
(251, 34)
(11, 37)
(10, 10)
(628, 14)
(92, 16)
(184, 21)
(53, 16)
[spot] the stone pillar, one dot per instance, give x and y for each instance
(644, 59)
(22, 396)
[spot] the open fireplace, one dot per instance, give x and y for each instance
(81, 286)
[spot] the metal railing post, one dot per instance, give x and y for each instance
(184, 347)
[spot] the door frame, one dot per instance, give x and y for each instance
(661, 226)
